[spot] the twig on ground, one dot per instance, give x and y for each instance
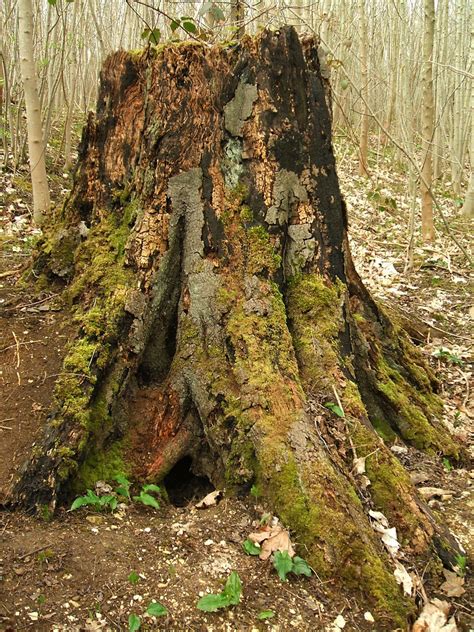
(37, 550)
(17, 354)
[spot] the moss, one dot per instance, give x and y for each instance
(416, 410)
(262, 257)
(318, 508)
(101, 465)
(314, 310)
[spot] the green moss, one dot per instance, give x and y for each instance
(262, 257)
(314, 309)
(416, 411)
(317, 508)
(101, 465)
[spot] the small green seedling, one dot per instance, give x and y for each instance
(124, 486)
(447, 465)
(447, 356)
(255, 492)
(146, 498)
(230, 596)
(335, 408)
(97, 502)
(133, 578)
(266, 614)
(156, 609)
(284, 565)
(44, 556)
(461, 563)
(251, 548)
(134, 622)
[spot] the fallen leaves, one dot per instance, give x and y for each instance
(404, 578)
(272, 539)
(210, 500)
(453, 586)
(434, 618)
(389, 534)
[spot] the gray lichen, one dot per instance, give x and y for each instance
(238, 110)
(287, 190)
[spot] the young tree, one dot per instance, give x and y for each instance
(364, 89)
(427, 125)
(468, 206)
(36, 150)
(221, 319)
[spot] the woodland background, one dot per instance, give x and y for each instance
(400, 72)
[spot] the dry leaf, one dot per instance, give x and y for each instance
(259, 536)
(278, 542)
(453, 586)
(431, 492)
(389, 538)
(434, 618)
(379, 517)
(210, 500)
(403, 577)
(359, 465)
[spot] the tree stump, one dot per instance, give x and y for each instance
(220, 317)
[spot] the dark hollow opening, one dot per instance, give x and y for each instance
(183, 486)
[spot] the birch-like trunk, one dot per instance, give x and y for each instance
(364, 130)
(39, 181)
(427, 226)
(468, 206)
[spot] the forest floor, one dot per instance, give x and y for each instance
(89, 571)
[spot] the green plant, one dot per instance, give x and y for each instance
(447, 464)
(230, 596)
(284, 565)
(255, 491)
(146, 498)
(156, 609)
(461, 563)
(44, 556)
(110, 501)
(98, 502)
(447, 356)
(134, 622)
(124, 486)
(133, 578)
(335, 408)
(265, 614)
(251, 548)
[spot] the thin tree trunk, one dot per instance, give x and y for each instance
(39, 181)
(364, 89)
(468, 206)
(237, 16)
(427, 225)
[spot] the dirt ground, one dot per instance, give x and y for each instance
(90, 571)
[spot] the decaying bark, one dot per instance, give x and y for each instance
(218, 309)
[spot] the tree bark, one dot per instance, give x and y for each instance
(364, 89)
(219, 310)
(427, 123)
(39, 181)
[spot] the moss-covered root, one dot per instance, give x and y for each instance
(396, 385)
(329, 522)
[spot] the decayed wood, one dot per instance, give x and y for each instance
(219, 309)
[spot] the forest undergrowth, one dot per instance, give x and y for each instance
(93, 571)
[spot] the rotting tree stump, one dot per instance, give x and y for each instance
(204, 247)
